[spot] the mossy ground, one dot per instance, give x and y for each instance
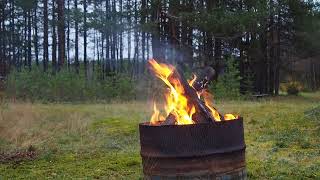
(102, 141)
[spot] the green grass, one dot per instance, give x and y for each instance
(102, 140)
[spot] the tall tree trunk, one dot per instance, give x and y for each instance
(128, 5)
(2, 32)
(107, 37)
(136, 42)
(85, 37)
(54, 39)
(25, 40)
(61, 34)
(35, 26)
(277, 53)
(218, 54)
(76, 59)
(103, 59)
(271, 59)
(114, 37)
(68, 35)
(98, 49)
(13, 39)
(143, 33)
(173, 31)
(96, 38)
(190, 37)
(121, 38)
(155, 17)
(29, 38)
(45, 36)
(209, 37)
(242, 47)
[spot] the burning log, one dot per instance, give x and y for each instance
(204, 78)
(202, 81)
(204, 115)
(170, 120)
(184, 99)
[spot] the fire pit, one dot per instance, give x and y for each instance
(194, 141)
(197, 150)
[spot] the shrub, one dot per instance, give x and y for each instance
(36, 85)
(292, 87)
(228, 84)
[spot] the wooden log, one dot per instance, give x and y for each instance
(170, 120)
(203, 79)
(204, 112)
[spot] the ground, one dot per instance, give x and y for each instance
(102, 140)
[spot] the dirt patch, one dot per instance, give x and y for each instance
(18, 156)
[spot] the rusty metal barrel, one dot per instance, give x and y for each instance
(197, 151)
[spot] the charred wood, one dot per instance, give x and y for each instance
(204, 78)
(193, 98)
(170, 120)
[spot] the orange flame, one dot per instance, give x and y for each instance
(207, 100)
(176, 102)
(194, 78)
(228, 117)
(156, 117)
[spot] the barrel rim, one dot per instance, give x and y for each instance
(217, 123)
(215, 138)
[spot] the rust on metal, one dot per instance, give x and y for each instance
(205, 151)
(191, 140)
(212, 165)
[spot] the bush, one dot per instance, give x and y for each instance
(36, 85)
(228, 84)
(292, 87)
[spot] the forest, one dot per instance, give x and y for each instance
(270, 42)
(81, 81)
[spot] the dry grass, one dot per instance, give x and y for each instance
(25, 124)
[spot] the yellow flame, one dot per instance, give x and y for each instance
(176, 102)
(192, 80)
(156, 117)
(228, 117)
(207, 97)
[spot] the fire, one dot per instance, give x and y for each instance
(207, 100)
(156, 117)
(207, 97)
(176, 102)
(230, 117)
(192, 80)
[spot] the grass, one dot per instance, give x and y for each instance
(102, 141)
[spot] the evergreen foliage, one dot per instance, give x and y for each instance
(268, 38)
(228, 84)
(36, 85)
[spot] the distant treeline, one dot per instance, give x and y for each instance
(113, 37)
